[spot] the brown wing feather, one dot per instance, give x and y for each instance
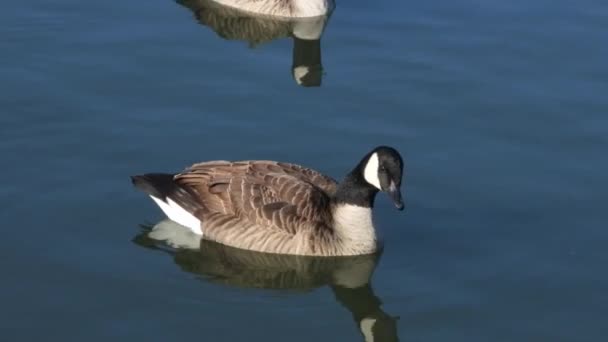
(277, 196)
(320, 180)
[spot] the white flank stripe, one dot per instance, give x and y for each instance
(179, 215)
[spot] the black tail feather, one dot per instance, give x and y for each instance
(163, 186)
(159, 185)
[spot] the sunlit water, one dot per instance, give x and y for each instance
(498, 107)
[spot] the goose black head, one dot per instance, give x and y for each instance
(384, 170)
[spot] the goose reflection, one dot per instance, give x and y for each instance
(233, 24)
(348, 277)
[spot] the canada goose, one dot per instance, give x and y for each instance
(234, 24)
(350, 278)
(282, 8)
(276, 207)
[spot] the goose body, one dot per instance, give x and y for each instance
(276, 207)
(282, 8)
(232, 23)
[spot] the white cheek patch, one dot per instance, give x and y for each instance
(367, 326)
(371, 171)
(300, 72)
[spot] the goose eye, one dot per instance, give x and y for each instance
(382, 168)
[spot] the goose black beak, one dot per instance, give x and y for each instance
(395, 194)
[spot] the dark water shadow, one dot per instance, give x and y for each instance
(233, 24)
(348, 277)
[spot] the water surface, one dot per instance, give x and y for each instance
(499, 109)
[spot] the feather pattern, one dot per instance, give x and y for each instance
(263, 205)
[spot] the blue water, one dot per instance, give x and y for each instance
(499, 109)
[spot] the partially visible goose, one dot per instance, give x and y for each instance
(276, 207)
(234, 24)
(282, 8)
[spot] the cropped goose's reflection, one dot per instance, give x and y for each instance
(348, 277)
(233, 24)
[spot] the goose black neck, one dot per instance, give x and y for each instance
(306, 52)
(356, 191)
(360, 301)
